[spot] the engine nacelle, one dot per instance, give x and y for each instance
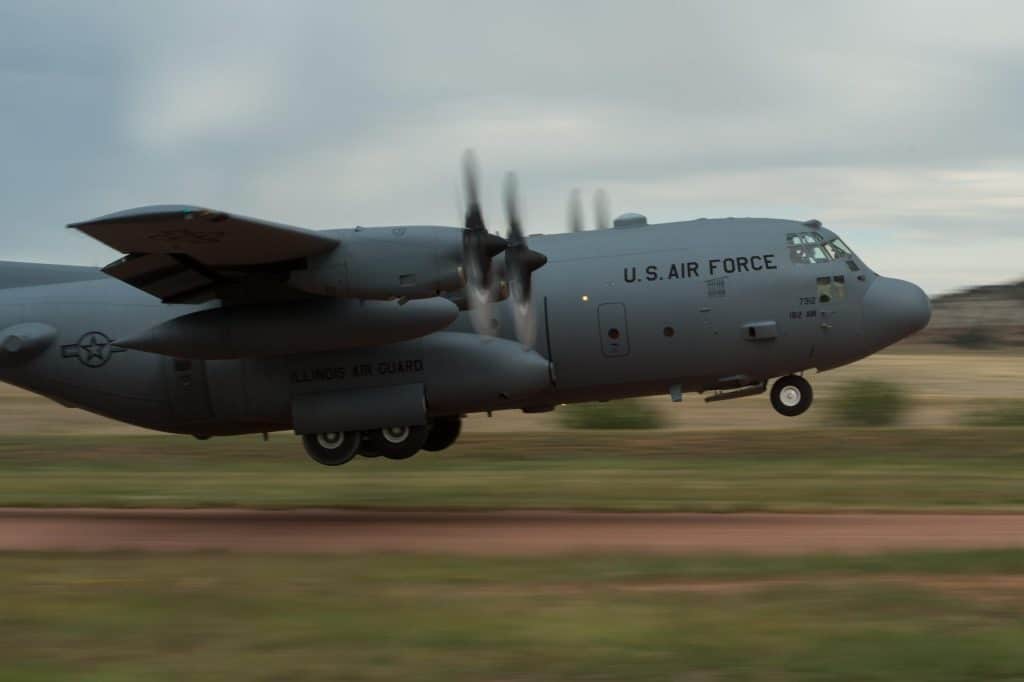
(469, 373)
(284, 329)
(385, 263)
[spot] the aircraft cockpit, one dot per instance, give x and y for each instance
(813, 247)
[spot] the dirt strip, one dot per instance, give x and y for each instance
(496, 533)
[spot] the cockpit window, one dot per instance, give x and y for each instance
(806, 247)
(837, 250)
(811, 247)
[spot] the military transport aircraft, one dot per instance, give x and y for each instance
(376, 341)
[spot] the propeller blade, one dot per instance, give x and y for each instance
(480, 303)
(525, 319)
(602, 214)
(479, 247)
(515, 227)
(474, 219)
(520, 262)
(575, 211)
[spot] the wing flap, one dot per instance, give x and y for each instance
(168, 278)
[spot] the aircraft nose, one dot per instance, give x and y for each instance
(894, 309)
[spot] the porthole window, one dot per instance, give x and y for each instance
(613, 333)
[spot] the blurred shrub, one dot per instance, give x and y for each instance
(870, 402)
(997, 413)
(616, 414)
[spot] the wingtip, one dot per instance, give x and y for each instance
(156, 210)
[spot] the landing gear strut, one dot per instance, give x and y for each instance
(791, 395)
(332, 449)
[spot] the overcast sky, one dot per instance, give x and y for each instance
(899, 124)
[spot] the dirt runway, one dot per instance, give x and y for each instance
(497, 533)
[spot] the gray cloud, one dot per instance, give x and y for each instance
(896, 122)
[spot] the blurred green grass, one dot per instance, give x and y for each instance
(1005, 413)
(969, 469)
(872, 402)
(924, 616)
(613, 415)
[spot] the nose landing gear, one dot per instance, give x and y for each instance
(791, 395)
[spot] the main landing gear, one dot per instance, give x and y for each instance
(791, 395)
(393, 442)
(332, 449)
(444, 431)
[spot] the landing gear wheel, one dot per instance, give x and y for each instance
(791, 395)
(331, 449)
(367, 445)
(444, 431)
(366, 448)
(396, 442)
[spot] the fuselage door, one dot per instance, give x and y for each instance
(612, 328)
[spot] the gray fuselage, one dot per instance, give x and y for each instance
(699, 305)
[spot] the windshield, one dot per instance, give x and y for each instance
(811, 247)
(806, 247)
(837, 249)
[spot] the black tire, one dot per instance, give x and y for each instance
(366, 448)
(791, 395)
(396, 442)
(366, 451)
(331, 449)
(444, 431)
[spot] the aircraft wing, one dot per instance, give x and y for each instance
(187, 254)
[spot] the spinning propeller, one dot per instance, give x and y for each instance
(575, 212)
(520, 262)
(480, 247)
(601, 212)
